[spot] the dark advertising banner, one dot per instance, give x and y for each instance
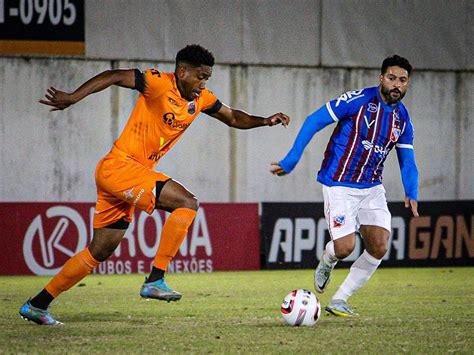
(294, 235)
(42, 27)
(38, 238)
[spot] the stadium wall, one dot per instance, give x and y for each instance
(435, 34)
(51, 156)
(284, 55)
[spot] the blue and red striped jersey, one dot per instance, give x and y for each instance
(367, 129)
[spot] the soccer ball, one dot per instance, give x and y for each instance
(301, 307)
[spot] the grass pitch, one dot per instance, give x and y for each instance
(425, 310)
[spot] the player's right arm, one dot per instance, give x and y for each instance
(335, 110)
(59, 100)
(313, 124)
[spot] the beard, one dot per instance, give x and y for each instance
(387, 95)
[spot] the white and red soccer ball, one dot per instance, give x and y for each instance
(301, 307)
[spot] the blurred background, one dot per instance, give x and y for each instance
(280, 55)
(271, 56)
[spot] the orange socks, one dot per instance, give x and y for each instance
(81, 264)
(173, 233)
(75, 269)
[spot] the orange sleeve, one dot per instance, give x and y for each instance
(156, 83)
(210, 102)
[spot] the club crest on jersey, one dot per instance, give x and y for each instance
(191, 107)
(128, 194)
(395, 134)
(338, 221)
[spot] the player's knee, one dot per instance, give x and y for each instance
(104, 243)
(343, 247)
(191, 202)
(343, 251)
(378, 250)
(342, 254)
(100, 253)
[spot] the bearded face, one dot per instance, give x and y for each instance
(394, 84)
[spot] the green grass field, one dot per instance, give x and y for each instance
(426, 310)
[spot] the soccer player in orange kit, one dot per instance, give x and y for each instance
(168, 103)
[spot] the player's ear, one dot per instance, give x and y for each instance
(181, 71)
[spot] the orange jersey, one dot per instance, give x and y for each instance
(160, 117)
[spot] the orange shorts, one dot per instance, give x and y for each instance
(123, 184)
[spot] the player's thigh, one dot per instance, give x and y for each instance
(375, 239)
(122, 186)
(341, 205)
(375, 222)
(374, 210)
(171, 195)
(110, 210)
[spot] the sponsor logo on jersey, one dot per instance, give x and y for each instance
(372, 107)
(349, 96)
(191, 107)
(156, 156)
(129, 196)
(338, 221)
(169, 119)
(139, 195)
(377, 148)
(165, 146)
(367, 144)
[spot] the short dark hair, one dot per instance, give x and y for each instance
(195, 55)
(396, 60)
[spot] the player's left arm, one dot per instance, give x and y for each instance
(242, 120)
(408, 169)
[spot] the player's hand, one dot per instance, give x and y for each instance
(413, 204)
(278, 118)
(276, 169)
(58, 99)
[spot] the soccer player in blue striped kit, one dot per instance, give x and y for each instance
(370, 122)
